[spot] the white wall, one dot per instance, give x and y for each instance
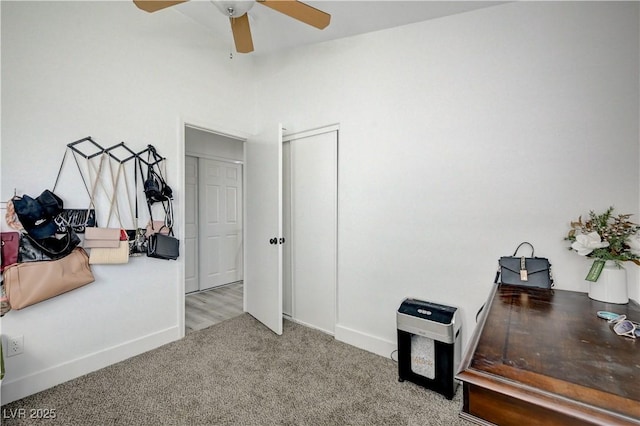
(109, 70)
(460, 138)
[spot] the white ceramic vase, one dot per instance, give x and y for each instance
(611, 286)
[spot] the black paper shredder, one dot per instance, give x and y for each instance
(429, 345)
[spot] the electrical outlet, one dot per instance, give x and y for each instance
(15, 345)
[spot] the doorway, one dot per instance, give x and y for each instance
(262, 168)
(213, 210)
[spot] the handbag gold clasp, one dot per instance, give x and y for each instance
(523, 270)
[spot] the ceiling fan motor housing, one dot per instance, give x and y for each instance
(234, 9)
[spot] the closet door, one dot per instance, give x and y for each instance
(314, 232)
(287, 284)
(220, 212)
(263, 228)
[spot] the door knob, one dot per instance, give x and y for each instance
(281, 241)
(273, 241)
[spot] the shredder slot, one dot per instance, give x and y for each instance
(428, 311)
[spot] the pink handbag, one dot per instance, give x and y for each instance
(101, 237)
(156, 226)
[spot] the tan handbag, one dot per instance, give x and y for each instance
(32, 282)
(104, 255)
(108, 245)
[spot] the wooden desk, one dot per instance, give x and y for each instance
(542, 357)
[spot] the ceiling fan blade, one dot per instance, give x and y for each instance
(242, 33)
(155, 5)
(300, 11)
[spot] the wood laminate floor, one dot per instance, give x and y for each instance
(209, 307)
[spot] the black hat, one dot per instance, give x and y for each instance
(37, 219)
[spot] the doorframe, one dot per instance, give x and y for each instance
(206, 126)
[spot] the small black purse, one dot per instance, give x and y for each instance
(524, 271)
(163, 246)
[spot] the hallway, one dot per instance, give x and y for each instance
(206, 308)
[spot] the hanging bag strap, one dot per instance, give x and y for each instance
(137, 169)
(94, 183)
(64, 157)
(84, 181)
(168, 213)
(143, 179)
(168, 204)
(134, 216)
(64, 221)
(157, 176)
(114, 195)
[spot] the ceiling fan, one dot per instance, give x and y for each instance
(237, 13)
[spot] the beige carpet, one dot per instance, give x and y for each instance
(240, 373)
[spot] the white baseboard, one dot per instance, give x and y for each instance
(288, 317)
(365, 341)
(52, 376)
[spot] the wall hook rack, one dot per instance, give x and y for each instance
(96, 149)
(151, 151)
(75, 148)
(122, 146)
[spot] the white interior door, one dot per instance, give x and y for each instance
(220, 212)
(263, 225)
(191, 224)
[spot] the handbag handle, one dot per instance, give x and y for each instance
(165, 226)
(521, 244)
(48, 251)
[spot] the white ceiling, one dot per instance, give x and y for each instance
(273, 31)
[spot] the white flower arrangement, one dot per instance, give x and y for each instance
(606, 237)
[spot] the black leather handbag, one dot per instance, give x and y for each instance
(51, 248)
(163, 246)
(524, 271)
